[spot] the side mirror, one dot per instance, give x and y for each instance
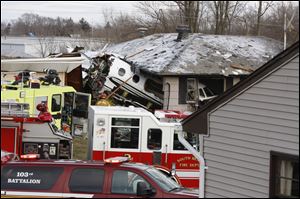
(173, 171)
(143, 190)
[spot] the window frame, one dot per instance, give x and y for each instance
(124, 126)
(272, 179)
(161, 137)
(126, 170)
(60, 104)
(86, 168)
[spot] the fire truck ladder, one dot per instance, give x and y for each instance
(13, 109)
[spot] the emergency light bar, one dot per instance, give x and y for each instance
(116, 160)
(171, 114)
(30, 156)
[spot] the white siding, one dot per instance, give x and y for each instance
(174, 95)
(243, 132)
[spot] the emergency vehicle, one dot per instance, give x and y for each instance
(113, 178)
(68, 107)
(137, 133)
(23, 134)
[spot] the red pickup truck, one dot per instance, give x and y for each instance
(112, 178)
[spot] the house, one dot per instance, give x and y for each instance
(250, 133)
(217, 61)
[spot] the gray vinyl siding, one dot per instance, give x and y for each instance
(242, 133)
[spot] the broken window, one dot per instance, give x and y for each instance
(192, 94)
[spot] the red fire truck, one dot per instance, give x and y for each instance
(137, 133)
(22, 134)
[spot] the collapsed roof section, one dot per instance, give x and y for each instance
(198, 54)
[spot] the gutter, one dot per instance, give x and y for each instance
(197, 155)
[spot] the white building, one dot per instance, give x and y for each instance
(25, 47)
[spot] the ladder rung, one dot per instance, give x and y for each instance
(14, 109)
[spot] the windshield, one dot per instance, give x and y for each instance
(166, 183)
(208, 92)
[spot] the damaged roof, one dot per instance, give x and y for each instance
(198, 54)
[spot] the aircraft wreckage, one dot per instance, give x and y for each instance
(112, 78)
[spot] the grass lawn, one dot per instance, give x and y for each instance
(80, 147)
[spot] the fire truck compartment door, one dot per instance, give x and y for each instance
(9, 139)
(81, 104)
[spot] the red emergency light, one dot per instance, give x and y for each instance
(30, 156)
(170, 114)
(117, 160)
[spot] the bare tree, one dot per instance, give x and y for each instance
(119, 27)
(158, 16)
(260, 12)
(224, 12)
(46, 46)
(190, 10)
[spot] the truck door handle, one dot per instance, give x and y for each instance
(166, 157)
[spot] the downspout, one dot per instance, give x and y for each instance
(197, 155)
(169, 92)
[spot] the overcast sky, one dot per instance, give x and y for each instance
(90, 10)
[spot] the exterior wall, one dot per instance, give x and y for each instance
(12, 49)
(31, 46)
(174, 94)
(10, 76)
(35, 50)
(243, 132)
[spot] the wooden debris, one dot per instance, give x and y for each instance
(245, 68)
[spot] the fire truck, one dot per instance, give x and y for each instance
(22, 134)
(68, 107)
(137, 133)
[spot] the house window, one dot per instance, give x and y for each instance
(284, 176)
(192, 94)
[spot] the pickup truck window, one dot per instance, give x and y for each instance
(166, 183)
(29, 178)
(86, 180)
(125, 182)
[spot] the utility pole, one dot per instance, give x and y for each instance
(284, 32)
(286, 25)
